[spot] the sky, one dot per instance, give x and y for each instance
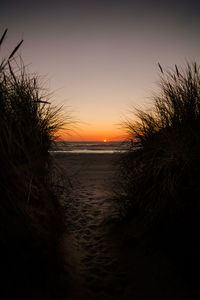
(99, 58)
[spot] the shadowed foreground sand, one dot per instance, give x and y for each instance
(100, 265)
(93, 257)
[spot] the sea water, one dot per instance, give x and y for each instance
(108, 147)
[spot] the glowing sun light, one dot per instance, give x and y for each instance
(105, 141)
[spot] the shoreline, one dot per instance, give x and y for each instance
(89, 151)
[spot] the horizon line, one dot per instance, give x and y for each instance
(66, 140)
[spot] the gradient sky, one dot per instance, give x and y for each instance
(100, 57)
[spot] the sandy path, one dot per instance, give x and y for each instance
(93, 256)
(102, 264)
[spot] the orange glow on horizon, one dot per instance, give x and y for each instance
(90, 137)
(102, 134)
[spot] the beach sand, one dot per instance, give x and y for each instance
(92, 255)
(100, 262)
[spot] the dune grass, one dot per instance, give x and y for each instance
(160, 172)
(31, 217)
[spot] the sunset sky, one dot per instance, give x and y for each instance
(100, 57)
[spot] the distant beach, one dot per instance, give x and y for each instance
(90, 147)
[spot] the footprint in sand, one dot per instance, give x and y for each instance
(94, 263)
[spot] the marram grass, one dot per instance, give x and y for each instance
(30, 213)
(160, 173)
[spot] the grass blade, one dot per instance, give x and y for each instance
(15, 50)
(3, 37)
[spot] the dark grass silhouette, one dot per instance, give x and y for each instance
(160, 172)
(30, 215)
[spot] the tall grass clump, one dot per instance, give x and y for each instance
(30, 214)
(160, 173)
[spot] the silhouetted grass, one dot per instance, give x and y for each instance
(160, 172)
(31, 217)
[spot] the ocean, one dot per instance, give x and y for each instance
(108, 147)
